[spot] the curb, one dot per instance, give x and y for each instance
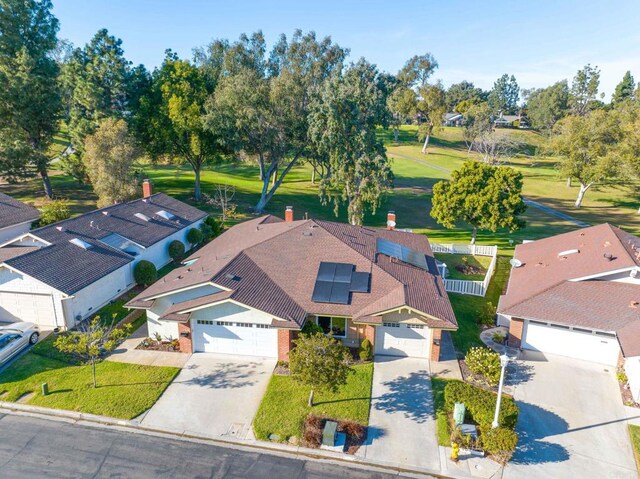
(294, 452)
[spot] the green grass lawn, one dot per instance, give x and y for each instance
(455, 261)
(443, 428)
(124, 390)
(634, 433)
(284, 406)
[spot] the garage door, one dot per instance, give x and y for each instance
(235, 338)
(597, 348)
(36, 308)
(396, 339)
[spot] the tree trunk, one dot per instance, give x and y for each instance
(46, 182)
(313, 176)
(395, 134)
(583, 190)
(197, 194)
(473, 235)
(93, 368)
(426, 143)
(569, 182)
(311, 398)
(261, 166)
(274, 177)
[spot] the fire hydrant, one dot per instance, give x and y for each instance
(455, 450)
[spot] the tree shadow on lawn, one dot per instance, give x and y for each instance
(534, 424)
(410, 395)
(227, 376)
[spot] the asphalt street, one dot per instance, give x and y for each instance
(36, 448)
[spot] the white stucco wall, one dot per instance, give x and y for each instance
(158, 254)
(632, 368)
(13, 231)
(232, 312)
(503, 320)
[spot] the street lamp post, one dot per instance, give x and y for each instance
(504, 361)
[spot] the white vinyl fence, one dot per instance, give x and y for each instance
(463, 286)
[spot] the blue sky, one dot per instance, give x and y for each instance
(539, 41)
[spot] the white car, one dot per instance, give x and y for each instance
(15, 337)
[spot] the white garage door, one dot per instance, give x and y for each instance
(396, 339)
(35, 308)
(597, 348)
(235, 338)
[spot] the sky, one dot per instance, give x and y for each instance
(540, 42)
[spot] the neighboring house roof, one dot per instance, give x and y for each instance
(452, 116)
(14, 212)
(70, 266)
(558, 282)
(271, 265)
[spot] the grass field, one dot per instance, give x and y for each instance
(634, 433)
(124, 390)
(284, 406)
(455, 261)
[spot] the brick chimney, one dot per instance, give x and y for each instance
(147, 188)
(288, 214)
(391, 220)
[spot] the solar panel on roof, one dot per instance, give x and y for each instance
(326, 272)
(340, 293)
(333, 283)
(322, 292)
(360, 282)
(403, 253)
(343, 273)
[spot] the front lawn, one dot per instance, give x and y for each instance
(284, 406)
(634, 432)
(459, 266)
(443, 427)
(124, 390)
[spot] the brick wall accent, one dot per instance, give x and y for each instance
(370, 334)
(186, 345)
(435, 348)
(515, 332)
(285, 343)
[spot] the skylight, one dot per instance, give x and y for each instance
(142, 216)
(120, 242)
(82, 244)
(165, 214)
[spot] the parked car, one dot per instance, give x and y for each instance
(15, 337)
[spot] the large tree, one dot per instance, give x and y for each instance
(624, 90)
(464, 91)
(505, 95)
(477, 123)
(587, 148)
(417, 70)
(29, 94)
(109, 156)
(270, 124)
(96, 78)
(402, 104)
(628, 148)
(342, 125)
(431, 107)
(483, 196)
(545, 106)
(170, 119)
(584, 90)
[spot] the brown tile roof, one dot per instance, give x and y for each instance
(543, 268)
(272, 265)
(9, 252)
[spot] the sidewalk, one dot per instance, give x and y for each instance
(448, 366)
(127, 353)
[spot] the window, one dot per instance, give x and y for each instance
(335, 326)
(559, 326)
(391, 325)
(224, 323)
(602, 333)
(8, 339)
(263, 326)
(205, 321)
(580, 330)
(244, 325)
(415, 326)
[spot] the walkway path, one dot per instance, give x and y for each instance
(529, 202)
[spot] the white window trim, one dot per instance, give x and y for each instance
(331, 318)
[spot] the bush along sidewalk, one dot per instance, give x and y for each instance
(499, 442)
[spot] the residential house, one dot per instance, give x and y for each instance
(63, 273)
(453, 119)
(511, 121)
(15, 218)
(577, 294)
(252, 289)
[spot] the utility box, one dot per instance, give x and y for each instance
(458, 413)
(329, 433)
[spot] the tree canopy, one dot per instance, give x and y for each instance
(584, 90)
(624, 90)
(483, 196)
(545, 106)
(464, 91)
(417, 70)
(505, 95)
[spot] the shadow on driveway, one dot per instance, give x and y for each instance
(226, 376)
(534, 424)
(410, 395)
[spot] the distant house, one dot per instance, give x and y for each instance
(510, 121)
(62, 273)
(252, 289)
(15, 218)
(453, 119)
(578, 295)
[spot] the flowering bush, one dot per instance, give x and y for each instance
(484, 362)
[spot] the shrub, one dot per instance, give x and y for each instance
(310, 328)
(312, 435)
(622, 377)
(216, 226)
(207, 232)
(176, 250)
(366, 350)
(498, 337)
(352, 429)
(485, 362)
(145, 272)
(53, 211)
(194, 236)
(481, 404)
(487, 314)
(499, 442)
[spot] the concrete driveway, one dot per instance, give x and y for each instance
(572, 421)
(214, 395)
(402, 428)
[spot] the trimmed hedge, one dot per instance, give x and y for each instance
(176, 250)
(481, 404)
(499, 442)
(366, 350)
(145, 272)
